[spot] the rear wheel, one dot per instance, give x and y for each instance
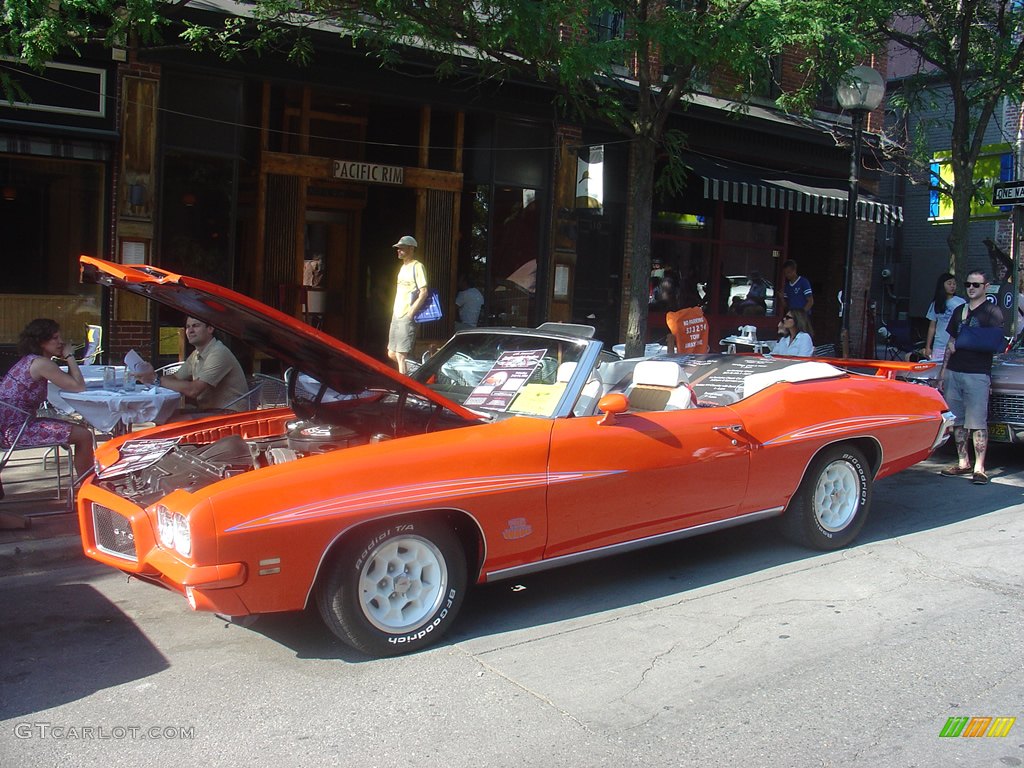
(831, 505)
(395, 588)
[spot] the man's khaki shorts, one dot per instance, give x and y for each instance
(967, 397)
(402, 335)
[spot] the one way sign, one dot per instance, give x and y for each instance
(1008, 193)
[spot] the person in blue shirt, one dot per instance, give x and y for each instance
(797, 293)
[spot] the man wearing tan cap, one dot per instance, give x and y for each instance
(410, 296)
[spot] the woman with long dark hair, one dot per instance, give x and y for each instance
(24, 387)
(939, 313)
(795, 329)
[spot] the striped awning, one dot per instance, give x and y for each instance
(786, 191)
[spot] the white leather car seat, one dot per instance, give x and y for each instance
(659, 385)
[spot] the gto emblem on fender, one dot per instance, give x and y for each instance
(518, 528)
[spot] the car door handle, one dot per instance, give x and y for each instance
(736, 434)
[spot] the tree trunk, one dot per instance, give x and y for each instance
(958, 230)
(638, 223)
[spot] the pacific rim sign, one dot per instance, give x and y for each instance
(350, 170)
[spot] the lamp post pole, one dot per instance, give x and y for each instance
(859, 92)
(857, 116)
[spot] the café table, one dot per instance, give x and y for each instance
(747, 344)
(114, 411)
(650, 350)
(93, 375)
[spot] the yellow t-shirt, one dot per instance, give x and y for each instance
(410, 277)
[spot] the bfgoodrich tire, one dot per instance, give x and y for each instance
(831, 505)
(395, 588)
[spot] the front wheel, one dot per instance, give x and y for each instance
(831, 505)
(395, 588)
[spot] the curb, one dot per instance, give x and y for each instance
(31, 555)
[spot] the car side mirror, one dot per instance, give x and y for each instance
(610, 405)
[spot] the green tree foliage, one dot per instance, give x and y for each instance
(971, 56)
(628, 64)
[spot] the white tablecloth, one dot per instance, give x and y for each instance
(93, 375)
(310, 387)
(103, 409)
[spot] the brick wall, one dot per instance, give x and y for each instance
(126, 335)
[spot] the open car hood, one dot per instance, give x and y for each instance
(325, 358)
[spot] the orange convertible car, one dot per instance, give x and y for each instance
(381, 497)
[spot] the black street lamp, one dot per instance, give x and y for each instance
(860, 90)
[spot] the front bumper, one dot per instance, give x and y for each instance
(120, 534)
(1006, 417)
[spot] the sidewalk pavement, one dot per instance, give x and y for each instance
(37, 529)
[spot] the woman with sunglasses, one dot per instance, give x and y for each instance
(795, 329)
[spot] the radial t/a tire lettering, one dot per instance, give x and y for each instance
(831, 505)
(395, 588)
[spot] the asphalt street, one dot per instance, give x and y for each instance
(737, 648)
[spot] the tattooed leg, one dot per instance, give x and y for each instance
(960, 438)
(980, 437)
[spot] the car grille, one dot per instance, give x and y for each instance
(1009, 408)
(113, 533)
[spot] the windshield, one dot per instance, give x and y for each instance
(503, 373)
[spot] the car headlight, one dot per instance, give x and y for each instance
(165, 526)
(174, 531)
(182, 535)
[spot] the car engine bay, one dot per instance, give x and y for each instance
(148, 470)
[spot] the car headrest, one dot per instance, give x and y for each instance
(658, 373)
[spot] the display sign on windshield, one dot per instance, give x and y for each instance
(500, 385)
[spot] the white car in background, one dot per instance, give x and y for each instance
(739, 285)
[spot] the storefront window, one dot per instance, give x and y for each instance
(516, 240)
(51, 211)
(750, 273)
(196, 217)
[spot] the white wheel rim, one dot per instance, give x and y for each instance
(402, 583)
(837, 496)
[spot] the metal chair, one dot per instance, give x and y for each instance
(251, 398)
(17, 444)
(273, 392)
(93, 344)
(167, 370)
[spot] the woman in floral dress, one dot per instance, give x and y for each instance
(24, 386)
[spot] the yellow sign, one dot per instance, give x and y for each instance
(995, 164)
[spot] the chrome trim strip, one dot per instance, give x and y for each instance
(628, 546)
(945, 430)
